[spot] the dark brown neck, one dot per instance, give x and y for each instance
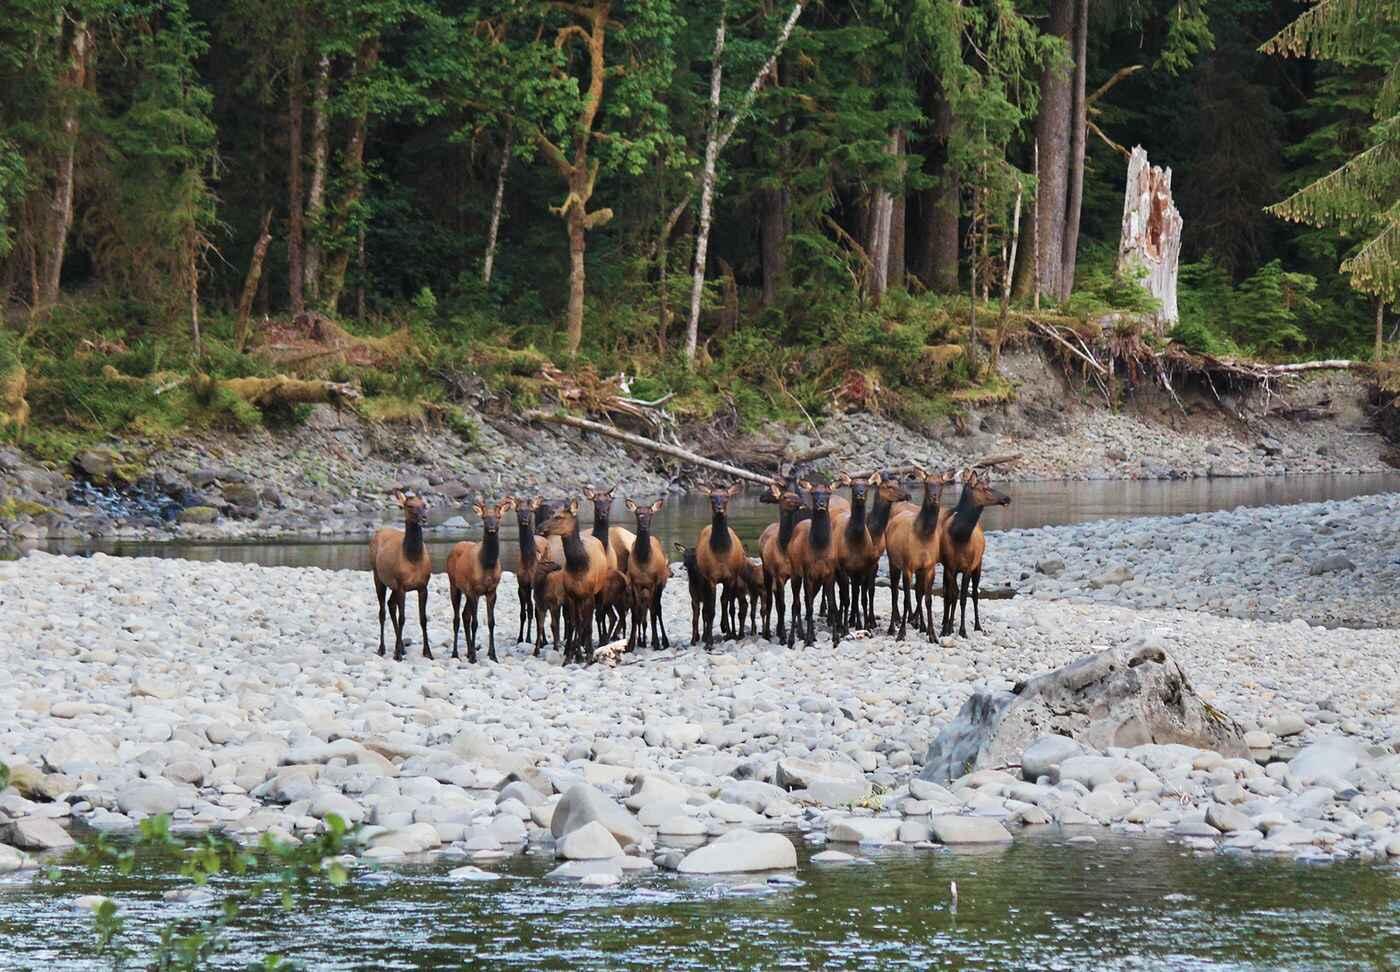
(412, 539)
(641, 549)
(491, 550)
(719, 533)
(527, 546)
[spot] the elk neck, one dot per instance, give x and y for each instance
(575, 553)
(413, 538)
(965, 517)
(821, 529)
(719, 533)
(641, 547)
(879, 516)
(787, 520)
(527, 546)
(927, 519)
(855, 524)
(491, 550)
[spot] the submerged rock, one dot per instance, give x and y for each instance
(1121, 697)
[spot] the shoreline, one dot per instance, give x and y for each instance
(250, 698)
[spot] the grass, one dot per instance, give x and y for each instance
(12, 509)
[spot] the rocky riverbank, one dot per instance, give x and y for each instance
(331, 476)
(250, 699)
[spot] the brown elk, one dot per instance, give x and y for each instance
(887, 494)
(401, 564)
(912, 540)
(719, 553)
(614, 605)
(751, 594)
(474, 572)
(812, 553)
(773, 547)
(961, 549)
(532, 548)
(858, 550)
(585, 572)
(647, 571)
(549, 598)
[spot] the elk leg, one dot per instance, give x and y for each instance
(396, 616)
(379, 593)
(588, 632)
(526, 613)
(491, 625)
(838, 623)
(962, 603)
(809, 593)
(423, 619)
(904, 613)
(894, 600)
(456, 615)
(780, 595)
(976, 614)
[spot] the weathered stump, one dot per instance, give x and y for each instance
(1151, 241)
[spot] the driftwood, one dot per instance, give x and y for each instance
(985, 462)
(676, 452)
(261, 392)
(250, 283)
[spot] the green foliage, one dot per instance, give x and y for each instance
(1099, 289)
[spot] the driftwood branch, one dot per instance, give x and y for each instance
(986, 462)
(251, 281)
(676, 452)
(1054, 335)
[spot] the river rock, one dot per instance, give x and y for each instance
(793, 773)
(953, 829)
(1046, 753)
(149, 798)
(591, 842)
(35, 833)
(864, 830)
(1120, 697)
(1227, 819)
(577, 870)
(470, 873)
(584, 804)
(740, 851)
(13, 859)
(413, 839)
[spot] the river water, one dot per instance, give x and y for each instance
(1041, 903)
(1033, 504)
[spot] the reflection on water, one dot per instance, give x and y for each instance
(1033, 505)
(1038, 904)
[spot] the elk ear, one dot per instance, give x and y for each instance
(399, 497)
(506, 506)
(656, 507)
(875, 479)
(478, 510)
(919, 473)
(588, 492)
(631, 506)
(843, 480)
(536, 503)
(802, 484)
(573, 505)
(734, 488)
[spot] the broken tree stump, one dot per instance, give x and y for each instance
(1151, 240)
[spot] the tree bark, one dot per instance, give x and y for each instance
(295, 278)
(939, 205)
(577, 242)
(71, 83)
(772, 231)
(1045, 239)
(316, 195)
(497, 205)
(894, 272)
(707, 192)
(1151, 237)
(1380, 330)
(882, 214)
(1079, 121)
(354, 165)
(250, 282)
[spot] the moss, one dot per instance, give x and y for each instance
(12, 508)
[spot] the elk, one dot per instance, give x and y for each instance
(532, 548)
(548, 597)
(696, 583)
(648, 572)
(887, 494)
(812, 553)
(474, 572)
(751, 590)
(401, 564)
(858, 550)
(773, 547)
(912, 540)
(584, 574)
(617, 540)
(614, 605)
(961, 549)
(720, 557)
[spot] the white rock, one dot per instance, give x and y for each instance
(741, 850)
(590, 842)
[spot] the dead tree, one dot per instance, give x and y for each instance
(1151, 241)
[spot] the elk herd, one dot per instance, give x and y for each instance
(608, 580)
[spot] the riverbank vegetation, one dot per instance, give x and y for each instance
(749, 210)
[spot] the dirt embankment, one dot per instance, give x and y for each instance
(331, 475)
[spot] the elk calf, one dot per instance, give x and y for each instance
(474, 572)
(401, 564)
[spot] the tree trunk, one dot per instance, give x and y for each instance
(707, 194)
(316, 197)
(1079, 121)
(354, 166)
(496, 205)
(295, 278)
(71, 84)
(882, 214)
(1380, 330)
(250, 283)
(772, 231)
(939, 205)
(1151, 240)
(1046, 241)
(895, 265)
(577, 242)
(193, 271)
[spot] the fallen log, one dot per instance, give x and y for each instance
(983, 463)
(262, 392)
(676, 452)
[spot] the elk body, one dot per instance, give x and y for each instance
(961, 548)
(647, 572)
(857, 551)
(773, 551)
(912, 540)
(720, 557)
(812, 553)
(473, 573)
(696, 583)
(585, 572)
(401, 564)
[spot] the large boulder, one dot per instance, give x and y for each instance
(1121, 697)
(584, 804)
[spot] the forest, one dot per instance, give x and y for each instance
(760, 208)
